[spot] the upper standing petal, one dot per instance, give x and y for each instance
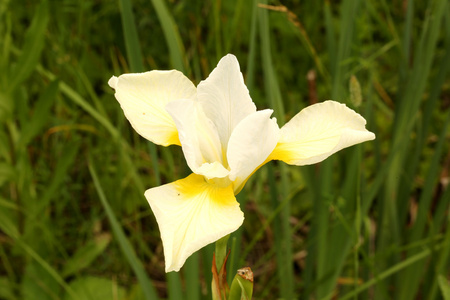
(318, 131)
(198, 137)
(143, 97)
(192, 214)
(225, 98)
(250, 144)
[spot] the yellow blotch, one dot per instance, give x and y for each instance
(174, 139)
(195, 186)
(285, 152)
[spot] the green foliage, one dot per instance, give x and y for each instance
(445, 287)
(91, 288)
(371, 222)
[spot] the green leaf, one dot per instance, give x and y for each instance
(37, 270)
(32, 49)
(171, 34)
(41, 114)
(136, 293)
(60, 173)
(133, 260)
(38, 284)
(6, 106)
(95, 288)
(445, 287)
(85, 255)
(131, 36)
(6, 172)
(6, 289)
(7, 223)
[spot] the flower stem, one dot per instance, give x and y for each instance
(221, 251)
(219, 285)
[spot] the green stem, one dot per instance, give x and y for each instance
(221, 251)
(219, 285)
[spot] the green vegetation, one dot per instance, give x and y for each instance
(371, 222)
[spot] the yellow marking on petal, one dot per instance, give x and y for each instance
(174, 139)
(289, 152)
(193, 186)
(238, 189)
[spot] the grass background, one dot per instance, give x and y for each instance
(371, 222)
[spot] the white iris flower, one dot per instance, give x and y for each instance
(224, 140)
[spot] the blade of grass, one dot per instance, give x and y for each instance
(444, 255)
(410, 102)
(413, 274)
(5, 50)
(174, 286)
(349, 9)
(173, 39)
(192, 276)
(409, 107)
(445, 287)
(323, 198)
(217, 4)
(285, 278)
(250, 73)
(330, 259)
(40, 115)
(80, 101)
(53, 273)
(62, 170)
(430, 106)
(133, 260)
(406, 42)
(130, 33)
(385, 274)
(237, 18)
(406, 111)
(34, 44)
(330, 37)
(284, 245)
(270, 78)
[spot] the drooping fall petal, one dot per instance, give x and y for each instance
(143, 97)
(251, 142)
(225, 98)
(318, 131)
(191, 214)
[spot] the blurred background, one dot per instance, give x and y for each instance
(371, 222)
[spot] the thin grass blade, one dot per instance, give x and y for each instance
(133, 260)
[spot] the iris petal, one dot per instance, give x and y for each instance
(225, 98)
(191, 214)
(318, 131)
(198, 137)
(143, 97)
(250, 144)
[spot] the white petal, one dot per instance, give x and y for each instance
(225, 98)
(251, 142)
(318, 131)
(212, 170)
(198, 137)
(191, 214)
(143, 98)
